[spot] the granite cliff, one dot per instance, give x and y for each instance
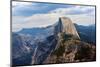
(58, 43)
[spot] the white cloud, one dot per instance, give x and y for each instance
(15, 3)
(82, 19)
(38, 20)
(26, 8)
(42, 20)
(74, 10)
(18, 19)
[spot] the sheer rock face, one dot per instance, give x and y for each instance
(65, 25)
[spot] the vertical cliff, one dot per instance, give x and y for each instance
(68, 27)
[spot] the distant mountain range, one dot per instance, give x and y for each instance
(87, 33)
(34, 45)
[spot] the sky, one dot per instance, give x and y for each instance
(33, 14)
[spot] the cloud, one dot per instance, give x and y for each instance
(43, 20)
(82, 19)
(29, 15)
(29, 8)
(15, 3)
(74, 10)
(38, 20)
(25, 8)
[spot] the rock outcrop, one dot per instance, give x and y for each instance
(65, 25)
(69, 47)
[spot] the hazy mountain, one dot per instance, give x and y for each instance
(22, 49)
(87, 33)
(35, 45)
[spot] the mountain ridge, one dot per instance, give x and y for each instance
(39, 43)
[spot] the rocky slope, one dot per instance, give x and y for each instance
(72, 50)
(57, 43)
(69, 47)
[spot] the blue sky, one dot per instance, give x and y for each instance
(28, 14)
